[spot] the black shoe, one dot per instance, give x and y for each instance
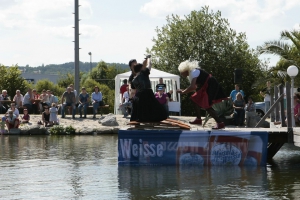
(80, 117)
(94, 116)
(73, 117)
(84, 117)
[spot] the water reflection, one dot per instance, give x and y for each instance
(85, 167)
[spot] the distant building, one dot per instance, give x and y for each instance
(34, 77)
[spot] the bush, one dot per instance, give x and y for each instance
(60, 130)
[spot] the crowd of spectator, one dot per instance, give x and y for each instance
(46, 104)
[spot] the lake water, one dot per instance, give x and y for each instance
(85, 167)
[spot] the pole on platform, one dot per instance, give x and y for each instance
(76, 48)
(277, 117)
(289, 116)
(282, 110)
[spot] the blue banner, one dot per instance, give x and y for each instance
(212, 148)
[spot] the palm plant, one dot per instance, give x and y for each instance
(289, 51)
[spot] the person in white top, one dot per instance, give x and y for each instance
(126, 103)
(266, 93)
(14, 110)
(18, 99)
(44, 100)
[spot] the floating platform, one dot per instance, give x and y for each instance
(165, 124)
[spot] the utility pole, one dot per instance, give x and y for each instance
(90, 53)
(76, 28)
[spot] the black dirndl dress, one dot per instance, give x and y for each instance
(145, 107)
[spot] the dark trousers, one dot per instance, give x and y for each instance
(210, 111)
(239, 117)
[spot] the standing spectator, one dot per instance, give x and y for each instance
(26, 117)
(126, 103)
(235, 91)
(53, 114)
(250, 112)
(18, 99)
(161, 84)
(162, 98)
(27, 100)
(96, 100)
(12, 121)
(266, 93)
(239, 111)
(69, 96)
(4, 96)
(84, 100)
(14, 110)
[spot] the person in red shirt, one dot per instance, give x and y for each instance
(123, 88)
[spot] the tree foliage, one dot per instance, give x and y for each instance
(288, 49)
(207, 37)
(48, 85)
(11, 80)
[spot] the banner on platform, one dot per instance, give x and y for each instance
(212, 148)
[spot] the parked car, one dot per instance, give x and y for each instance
(260, 108)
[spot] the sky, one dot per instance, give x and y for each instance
(36, 32)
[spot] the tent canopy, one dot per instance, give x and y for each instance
(172, 82)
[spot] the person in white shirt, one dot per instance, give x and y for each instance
(18, 99)
(126, 103)
(96, 100)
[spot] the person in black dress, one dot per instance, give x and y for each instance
(210, 91)
(146, 108)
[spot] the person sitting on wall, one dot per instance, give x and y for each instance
(44, 100)
(70, 101)
(96, 100)
(250, 112)
(12, 121)
(4, 97)
(84, 99)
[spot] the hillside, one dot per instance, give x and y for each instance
(67, 67)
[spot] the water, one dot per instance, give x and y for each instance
(85, 167)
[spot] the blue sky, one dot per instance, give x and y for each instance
(37, 32)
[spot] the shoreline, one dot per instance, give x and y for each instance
(90, 126)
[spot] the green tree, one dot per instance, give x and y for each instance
(11, 80)
(65, 80)
(288, 49)
(48, 85)
(207, 37)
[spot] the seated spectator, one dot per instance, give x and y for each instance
(14, 109)
(83, 100)
(46, 117)
(27, 100)
(26, 117)
(96, 100)
(69, 96)
(53, 114)
(162, 98)
(126, 103)
(123, 88)
(18, 99)
(4, 106)
(170, 95)
(12, 121)
(35, 105)
(250, 112)
(239, 112)
(44, 100)
(161, 84)
(235, 91)
(52, 98)
(73, 90)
